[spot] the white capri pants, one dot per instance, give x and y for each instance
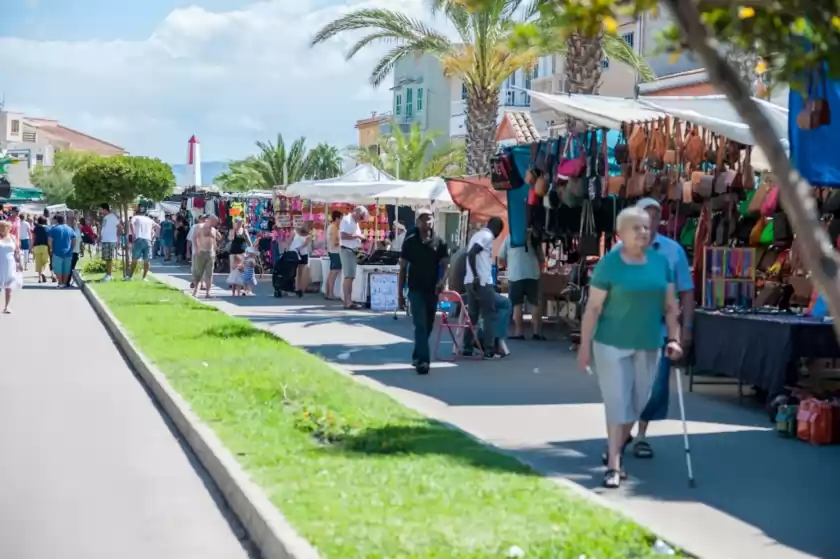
(626, 379)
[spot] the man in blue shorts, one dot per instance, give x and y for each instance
(60, 240)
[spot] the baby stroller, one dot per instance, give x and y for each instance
(283, 273)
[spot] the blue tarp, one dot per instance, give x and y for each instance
(814, 153)
(517, 200)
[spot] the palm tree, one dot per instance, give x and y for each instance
(585, 55)
(273, 166)
(413, 156)
(483, 58)
(324, 162)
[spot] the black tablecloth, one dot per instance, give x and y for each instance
(760, 349)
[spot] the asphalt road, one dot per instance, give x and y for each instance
(89, 467)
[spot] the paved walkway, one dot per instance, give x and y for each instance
(758, 495)
(90, 469)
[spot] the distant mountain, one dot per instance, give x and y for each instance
(209, 171)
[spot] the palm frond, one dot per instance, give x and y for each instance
(620, 50)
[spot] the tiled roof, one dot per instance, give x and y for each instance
(76, 140)
(523, 126)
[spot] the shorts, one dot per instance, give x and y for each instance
(348, 263)
(335, 261)
(109, 250)
(62, 265)
(202, 266)
(626, 378)
(524, 290)
(141, 249)
(166, 243)
(24, 244)
(42, 257)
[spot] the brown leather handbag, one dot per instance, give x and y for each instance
(637, 143)
(815, 111)
(695, 148)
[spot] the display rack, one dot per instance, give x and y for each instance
(728, 277)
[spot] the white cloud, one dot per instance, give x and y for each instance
(230, 78)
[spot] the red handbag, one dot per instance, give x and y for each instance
(570, 168)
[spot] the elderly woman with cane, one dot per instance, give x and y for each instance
(631, 292)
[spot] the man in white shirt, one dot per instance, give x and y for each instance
(24, 237)
(143, 229)
(350, 242)
(481, 293)
(110, 231)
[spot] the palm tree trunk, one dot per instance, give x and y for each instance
(583, 63)
(482, 108)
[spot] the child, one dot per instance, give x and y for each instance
(249, 278)
(235, 279)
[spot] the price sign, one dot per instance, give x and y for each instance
(383, 292)
(297, 221)
(284, 220)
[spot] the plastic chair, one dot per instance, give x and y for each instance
(456, 328)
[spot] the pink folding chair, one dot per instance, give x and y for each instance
(456, 328)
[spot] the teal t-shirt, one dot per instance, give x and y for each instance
(635, 304)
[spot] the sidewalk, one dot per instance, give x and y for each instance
(90, 469)
(758, 495)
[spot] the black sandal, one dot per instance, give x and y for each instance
(612, 479)
(642, 449)
(604, 456)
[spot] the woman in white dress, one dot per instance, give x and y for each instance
(10, 268)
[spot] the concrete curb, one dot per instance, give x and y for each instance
(432, 414)
(266, 526)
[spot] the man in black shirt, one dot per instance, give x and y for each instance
(425, 259)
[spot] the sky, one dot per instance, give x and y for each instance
(148, 74)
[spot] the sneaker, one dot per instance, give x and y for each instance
(491, 355)
(502, 348)
(127, 278)
(422, 368)
(106, 278)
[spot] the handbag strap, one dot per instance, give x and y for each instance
(605, 155)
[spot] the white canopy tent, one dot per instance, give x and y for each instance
(611, 112)
(428, 191)
(360, 185)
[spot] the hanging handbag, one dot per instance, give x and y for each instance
(688, 232)
(782, 232)
(695, 148)
(637, 143)
(771, 202)
(588, 238)
(757, 200)
(503, 173)
(621, 151)
(570, 167)
(532, 173)
(815, 111)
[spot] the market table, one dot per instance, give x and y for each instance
(757, 349)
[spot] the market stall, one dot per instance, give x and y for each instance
(695, 156)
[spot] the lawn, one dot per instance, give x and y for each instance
(356, 473)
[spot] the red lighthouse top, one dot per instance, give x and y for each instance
(193, 140)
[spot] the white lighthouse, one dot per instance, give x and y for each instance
(194, 162)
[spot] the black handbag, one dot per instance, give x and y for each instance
(588, 238)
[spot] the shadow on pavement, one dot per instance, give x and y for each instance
(758, 494)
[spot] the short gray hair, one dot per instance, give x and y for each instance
(630, 215)
(361, 210)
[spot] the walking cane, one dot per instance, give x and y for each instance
(691, 483)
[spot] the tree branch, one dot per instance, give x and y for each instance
(795, 192)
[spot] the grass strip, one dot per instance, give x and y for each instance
(356, 473)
